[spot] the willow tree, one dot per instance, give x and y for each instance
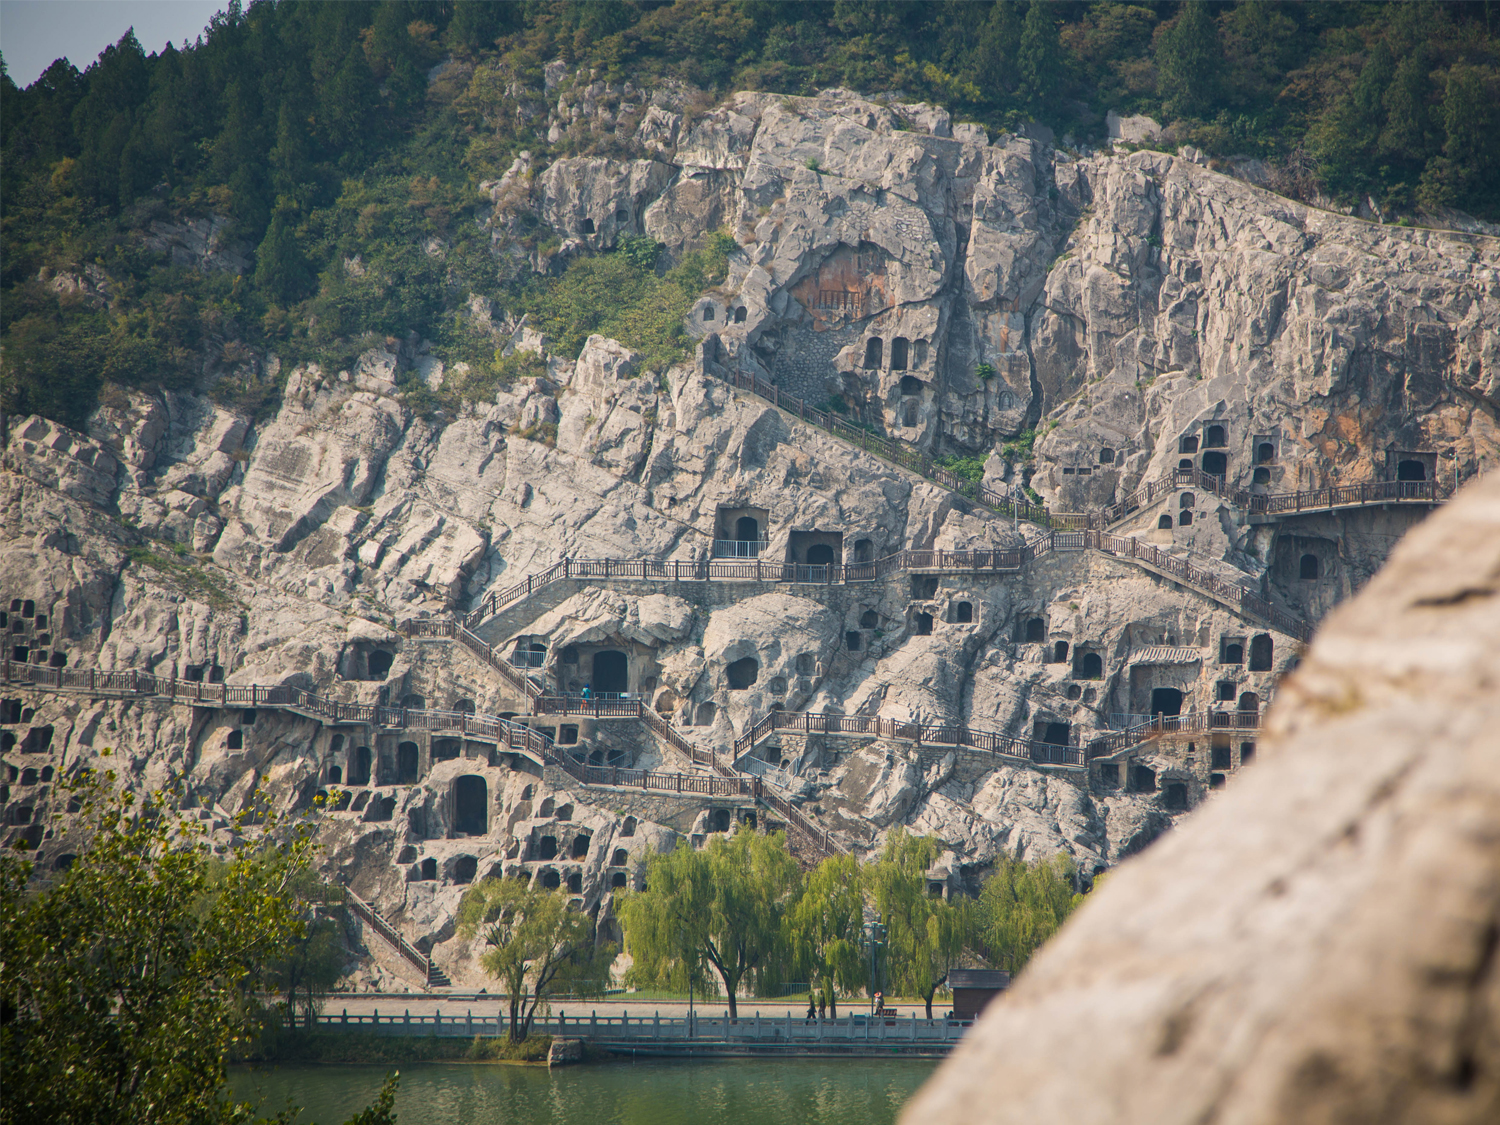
(725, 905)
(534, 942)
(1022, 904)
(925, 935)
(825, 927)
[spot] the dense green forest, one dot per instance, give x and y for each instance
(323, 133)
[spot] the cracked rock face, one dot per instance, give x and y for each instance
(952, 290)
(1318, 945)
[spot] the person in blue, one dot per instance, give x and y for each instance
(587, 693)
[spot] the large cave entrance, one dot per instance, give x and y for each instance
(1166, 701)
(611, 673)
(470, 805)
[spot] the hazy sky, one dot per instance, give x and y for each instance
(34, 32)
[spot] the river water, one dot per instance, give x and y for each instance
(658, 1092)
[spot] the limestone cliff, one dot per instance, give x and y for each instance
(1138, 310)
(1319, 943)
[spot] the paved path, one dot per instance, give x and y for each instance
(458, 1003)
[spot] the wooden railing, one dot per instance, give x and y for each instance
(504, 733)
(1199, 721)
(908, 456)
(958, 735)
(1238, 598)
(372, 918)
(1347, 496)
(930, 734)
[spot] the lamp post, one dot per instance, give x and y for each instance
(875, 940)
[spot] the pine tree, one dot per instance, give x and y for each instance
(1188, 61)
(1039, 61)
(349, 104)
(281, 270)
(1407, 135)
(992, 63)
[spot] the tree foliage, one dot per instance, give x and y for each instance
(534, 943)
(723, 907)
(926, 935)
(1021, 905)
(352, 180)
(126, 978)
(826, 925)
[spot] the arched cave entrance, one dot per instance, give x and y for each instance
(898, 353)
(1411, 470)
(874, 350)
(1166, 701)
(406, 763)
(1215, 464)
(359, 772)
(1261, 652)
(470, 805)
(1307, 567)
(820, 554)
(379, 663)
(1091, 667)
(742, 673)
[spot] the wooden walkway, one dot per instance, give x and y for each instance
(503, 733)
(1238, 599)
(1001, 745)
(909, 457)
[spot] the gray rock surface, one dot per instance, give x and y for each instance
(1121, 302)
(1319, 944)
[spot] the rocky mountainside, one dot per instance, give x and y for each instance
(1319, 945)
(1089, 322)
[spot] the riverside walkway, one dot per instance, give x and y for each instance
(786, 1034)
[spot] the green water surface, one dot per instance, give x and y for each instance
(658, 1092)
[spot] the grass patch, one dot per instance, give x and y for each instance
(533, 1048)
(970, 469)
(182, 574)
(620, 295)
(1021, 448)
